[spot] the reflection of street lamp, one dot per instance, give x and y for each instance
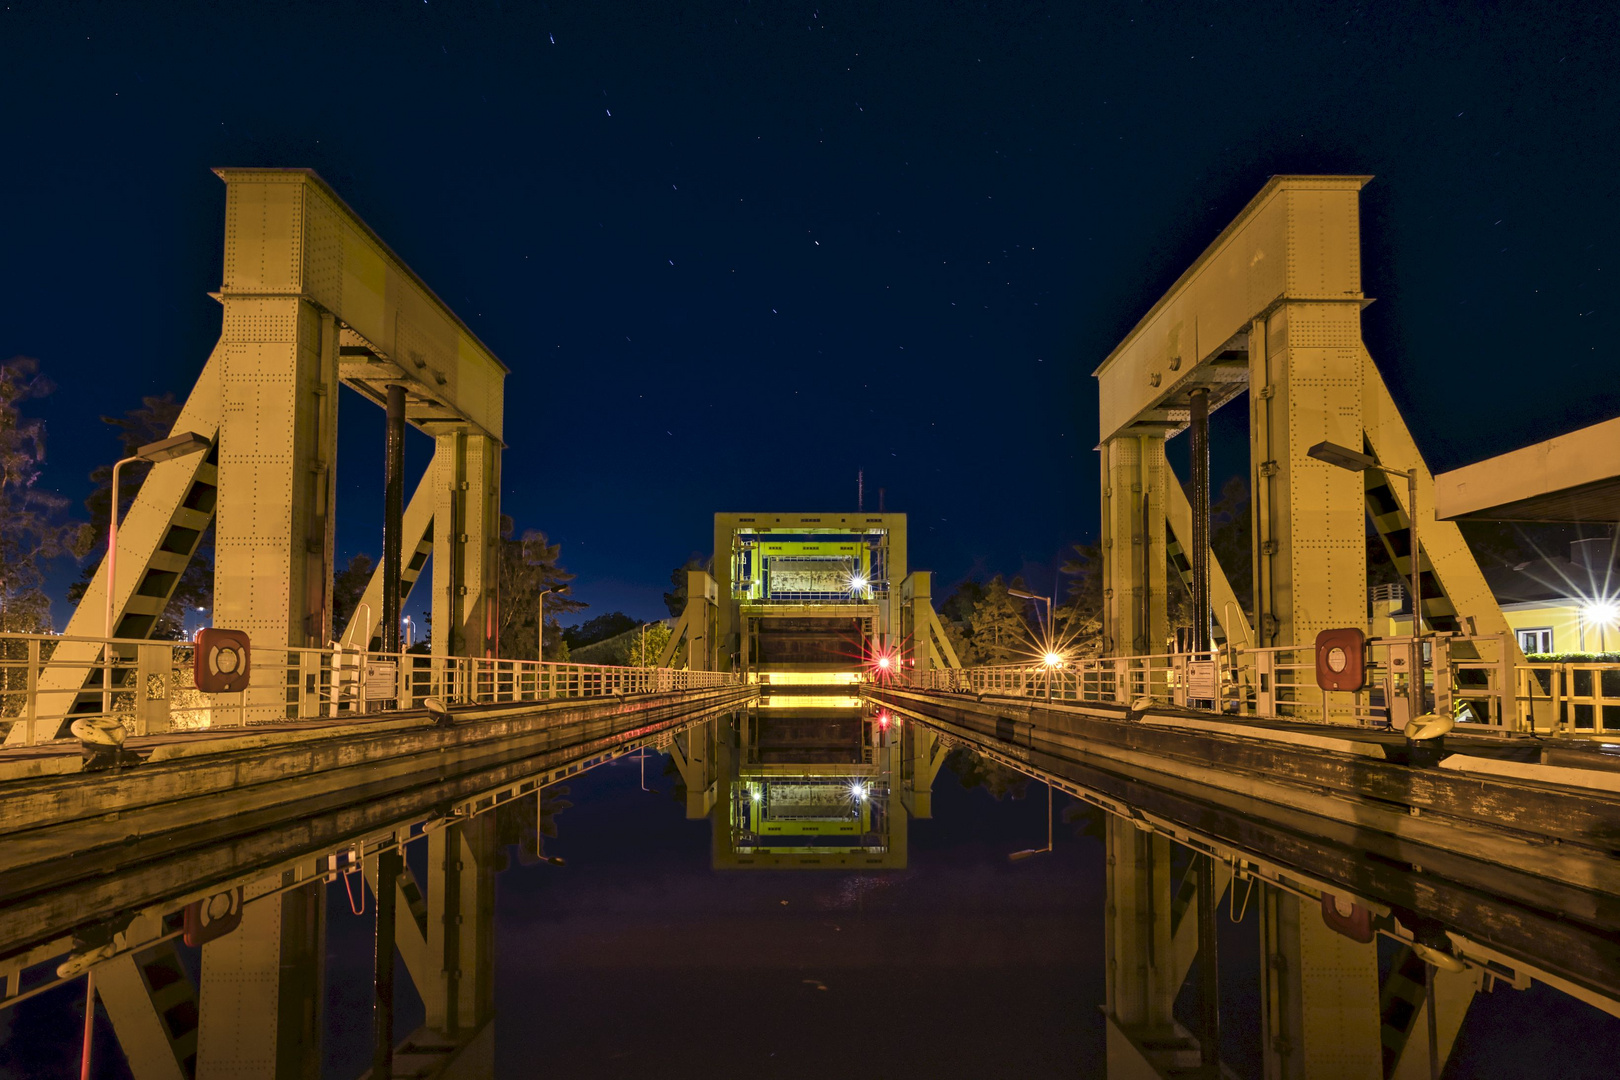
(162, 450)
(1354, 461)
(1020, 856)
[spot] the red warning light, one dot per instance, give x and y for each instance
(883, 719)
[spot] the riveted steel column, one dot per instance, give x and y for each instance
(1199, 555)
(1135, 622)
(393, 516)
(466, 544)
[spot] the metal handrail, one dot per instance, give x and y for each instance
(153, 689)
(1468, 676)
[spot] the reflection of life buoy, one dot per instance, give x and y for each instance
(1344, 916)
(222, 661)
(213, 918)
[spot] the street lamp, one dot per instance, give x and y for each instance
(1354, 461)
(163, 450)
(1020, 856)
(540, 616)
(1051, 658)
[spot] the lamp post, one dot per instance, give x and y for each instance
(540, 617)
(1354, 461)
(1051, 658)
(162, 450)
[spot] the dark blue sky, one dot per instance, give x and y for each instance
(733, 252)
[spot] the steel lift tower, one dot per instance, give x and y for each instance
(1273, 307)
(313, 300)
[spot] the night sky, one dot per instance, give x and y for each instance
(734, 252)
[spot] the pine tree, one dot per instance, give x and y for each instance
(529, 566)
(1000, 633)
(1080, 621)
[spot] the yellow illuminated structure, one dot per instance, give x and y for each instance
(312, 300)
(1272, 308)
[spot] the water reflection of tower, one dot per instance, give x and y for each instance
(808, 787)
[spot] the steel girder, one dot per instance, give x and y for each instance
(1134, 478)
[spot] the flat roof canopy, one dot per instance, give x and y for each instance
(1575, 477)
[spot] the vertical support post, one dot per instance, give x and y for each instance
(393, 516)
(700, 591)
(1141, 988)
(466, 544)
(1135, 622)
(322, 534)
(1319, 996)
(1209, 971)
(1199, 554)
(1306, 385)
(263, 986)
(1415, 683)
(387, 900)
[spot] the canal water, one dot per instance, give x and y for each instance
(651, 951)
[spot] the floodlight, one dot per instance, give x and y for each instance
(857, 583)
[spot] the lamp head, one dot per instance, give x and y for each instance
(1342, 456)
(175, 446)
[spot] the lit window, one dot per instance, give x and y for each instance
(1537, 639)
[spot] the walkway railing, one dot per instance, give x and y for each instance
(1470, 677)
(152, 688)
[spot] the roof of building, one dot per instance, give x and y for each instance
(1592, 571)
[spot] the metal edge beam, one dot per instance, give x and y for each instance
(1590, 455)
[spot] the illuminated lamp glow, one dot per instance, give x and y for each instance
(857, 583)
(857, 791)
(1053, 659)
(1600, 612)
(883, 663)
(756, 796)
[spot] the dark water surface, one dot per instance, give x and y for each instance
(639, 959)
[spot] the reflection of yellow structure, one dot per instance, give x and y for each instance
(809, 701)
(807, 789)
